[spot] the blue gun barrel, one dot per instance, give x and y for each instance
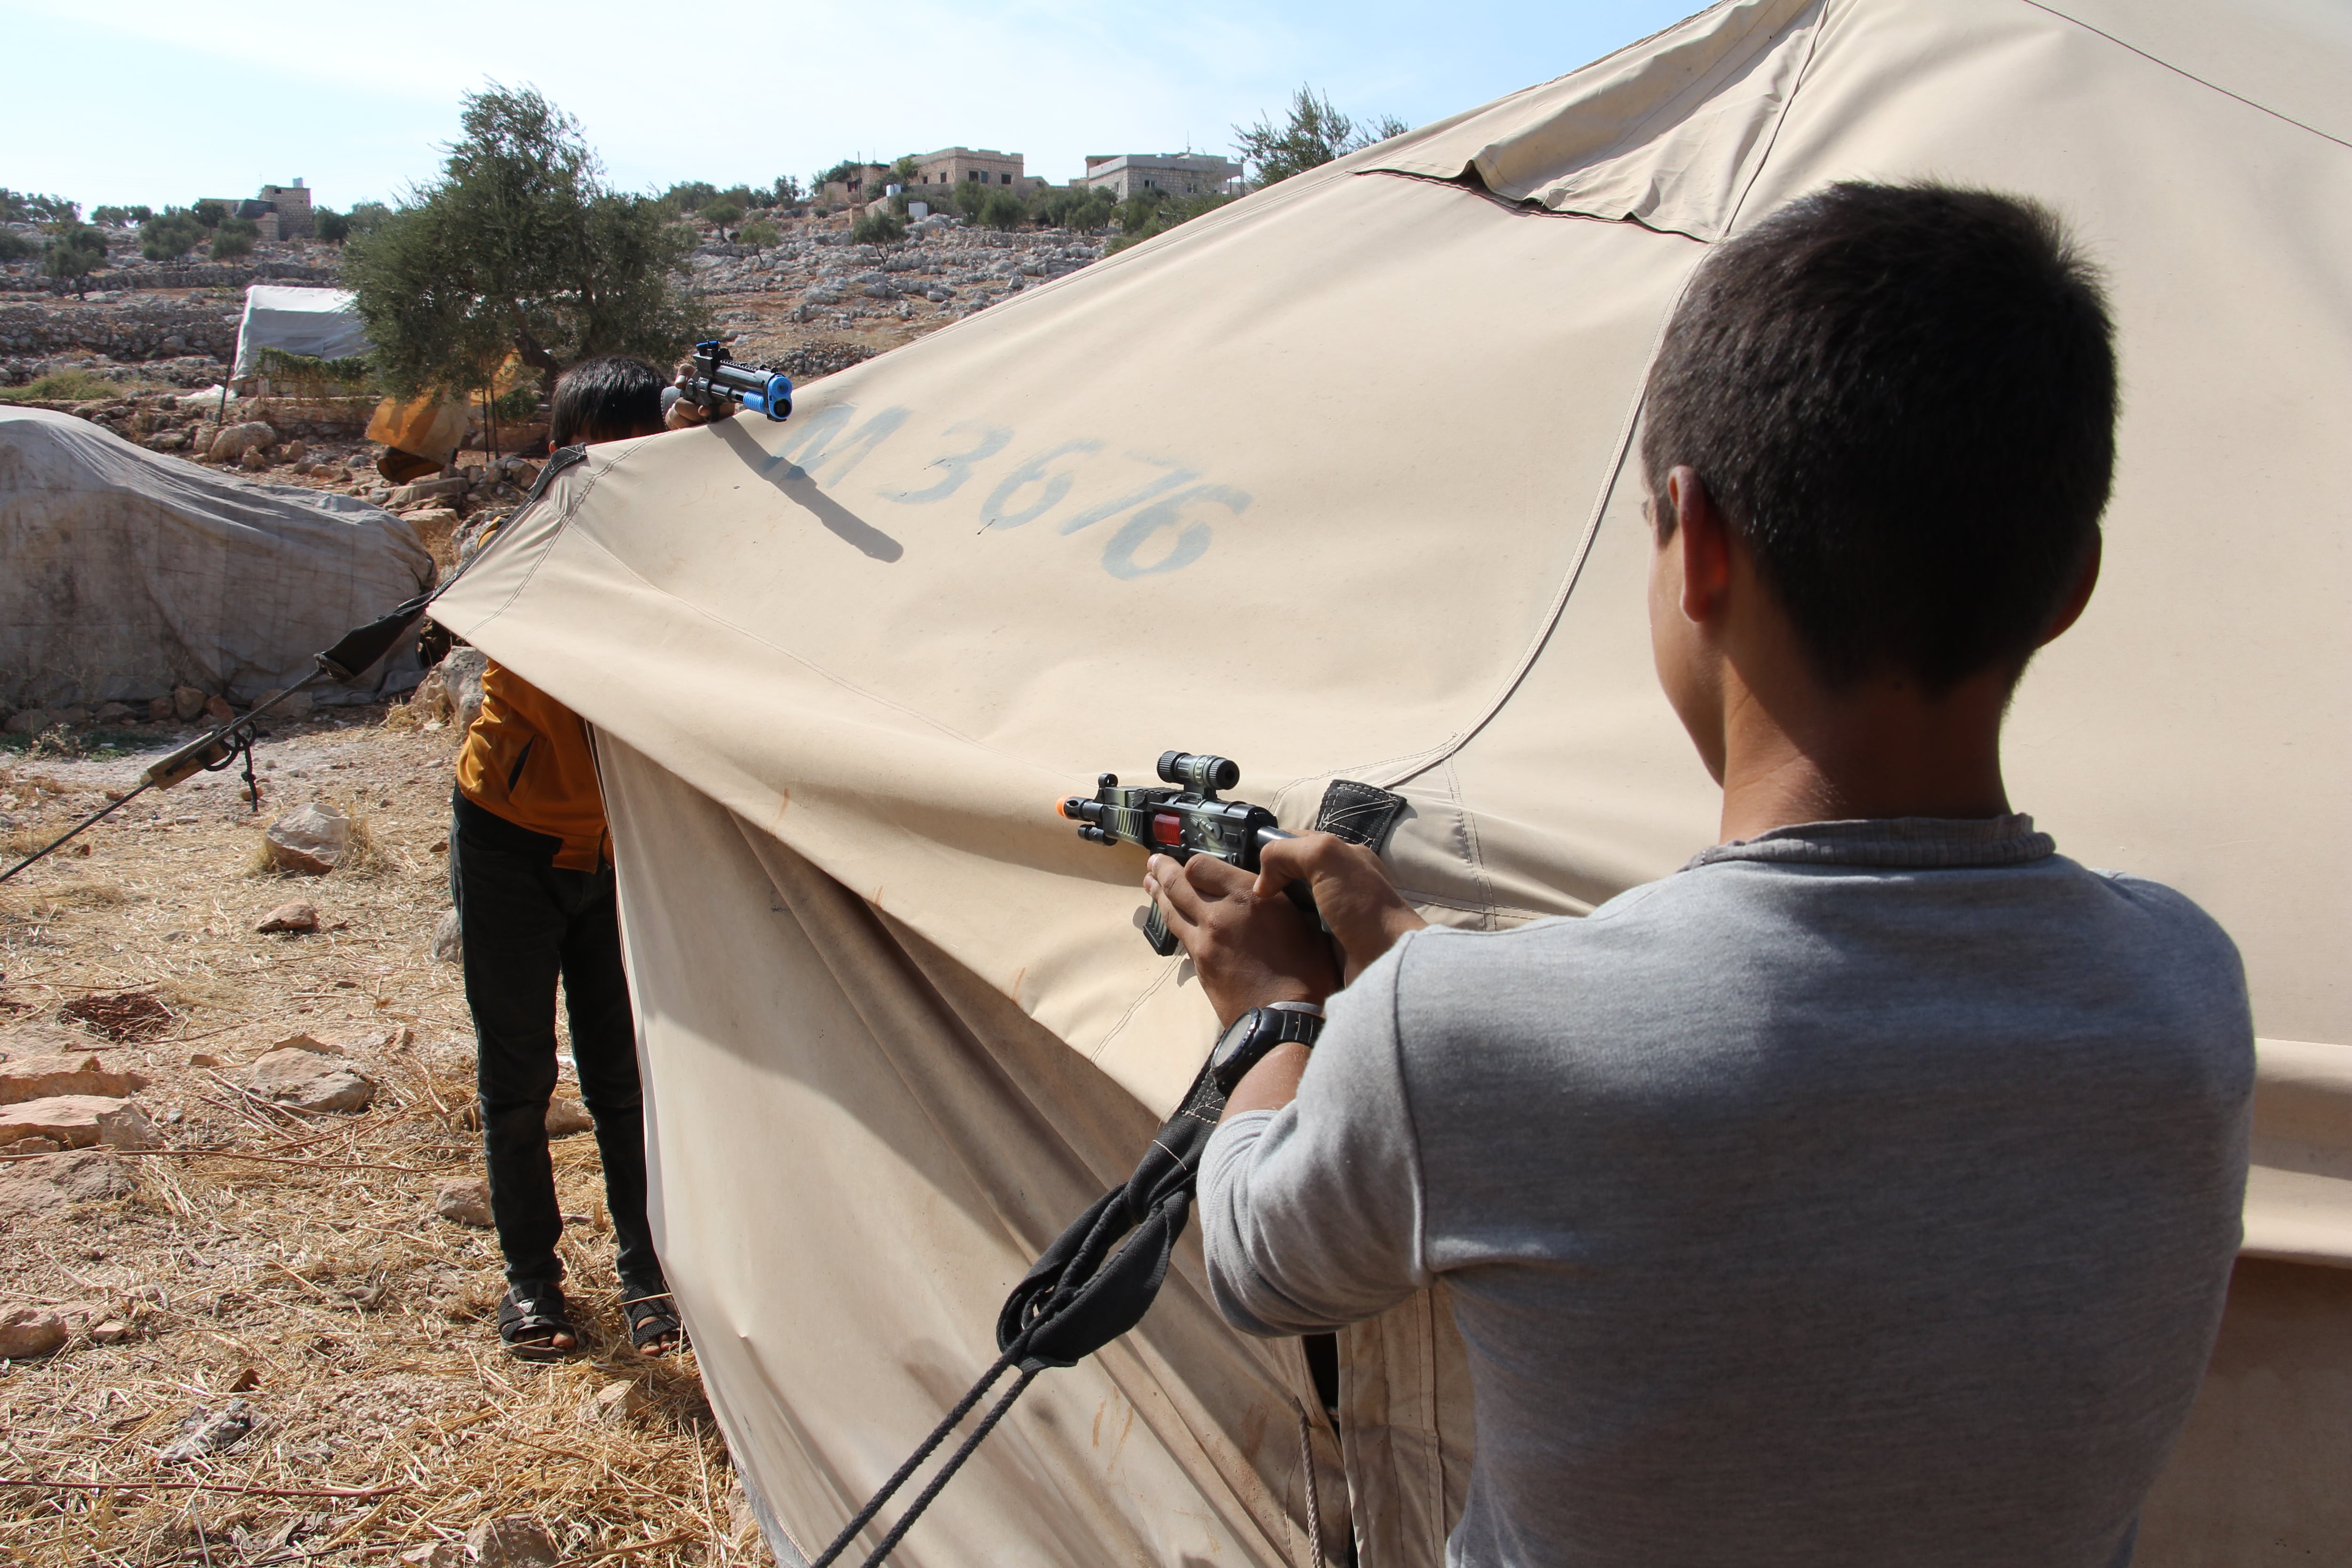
(763, 391)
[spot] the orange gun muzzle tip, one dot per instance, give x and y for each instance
(1062, 809)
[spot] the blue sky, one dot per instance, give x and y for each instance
(161, 101)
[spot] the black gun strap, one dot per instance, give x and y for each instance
(1097, 1279)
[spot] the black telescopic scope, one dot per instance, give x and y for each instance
(1199, 771)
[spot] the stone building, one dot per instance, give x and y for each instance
(953, 165)
(280, 212)
(1179, 173)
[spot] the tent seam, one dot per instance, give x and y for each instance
(2157, 60)
(1444, 750)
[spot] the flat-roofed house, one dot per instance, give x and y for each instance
(1178, 174)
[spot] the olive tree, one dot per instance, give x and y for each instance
(1314, 133)
(520, 246)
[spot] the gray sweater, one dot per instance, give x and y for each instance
(1864, 1192)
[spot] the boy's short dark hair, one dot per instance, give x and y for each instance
(1903, 400)
(609, 398)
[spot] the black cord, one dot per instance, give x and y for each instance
(92, 820)
(914, 1462)
(955, 1462)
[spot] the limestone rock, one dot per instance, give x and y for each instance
(218, 709)
(512, 1542)
(307, 1081)
(312, 1042)
(79, 1121)
(27, 721)
(297, 706)
(113, 712)
(39, 1078)
(253, 459)
(468, 1202)
(448, 943)
(188, 704)
(613, 1404)
(114, 1331)
(159, 710)
(312, 838)
(236, 440)
(296, 915)
(29, 1331)
(565, 1116)
(210, 1434)
(30, 1188)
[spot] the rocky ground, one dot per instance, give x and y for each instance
(245, 1305)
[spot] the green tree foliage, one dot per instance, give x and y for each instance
(233, 237)
(841, 170)
(691, 196)
(210, 213)
(759, 232)
(520, 246)
(72, 254)
(1088, 210)
(1148, 213)
(30, 206)
(877, 228)
(170, 234)
(1002, 209)
(1314, 134)
(14, 247)
(788, 191)
(903, 172)
(366, 217)
(120, 217)
(330, 225)
(724, 214)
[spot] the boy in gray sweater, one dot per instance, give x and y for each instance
(1865, 1192)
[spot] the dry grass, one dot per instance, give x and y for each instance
(319, 1288)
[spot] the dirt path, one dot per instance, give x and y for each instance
(319, 1286)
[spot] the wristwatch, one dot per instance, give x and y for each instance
(1246, 1043)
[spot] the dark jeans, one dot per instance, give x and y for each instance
(523, 922)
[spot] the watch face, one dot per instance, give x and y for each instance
(1232, 1039)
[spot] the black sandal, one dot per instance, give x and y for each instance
(655, 1317)
(527, 1324)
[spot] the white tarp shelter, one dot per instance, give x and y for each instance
(1338, 481)
(124, 572)
(318, 324)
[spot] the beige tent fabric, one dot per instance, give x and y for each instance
(1667, 134)
(1337, 481)
(857, 1150)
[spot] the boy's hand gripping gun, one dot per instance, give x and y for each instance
(718, 380)
(1180, 822)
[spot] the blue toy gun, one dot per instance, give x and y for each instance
(718, 380)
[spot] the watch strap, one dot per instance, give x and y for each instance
(1278, 1024)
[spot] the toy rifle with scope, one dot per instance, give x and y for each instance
(716, 382)
(1098, 1278)
(1182, 821)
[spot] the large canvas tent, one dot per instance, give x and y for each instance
(124, 572)
(315, 323)
(1338, 481)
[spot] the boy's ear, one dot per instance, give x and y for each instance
(1705, 543)
(2078, 598)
